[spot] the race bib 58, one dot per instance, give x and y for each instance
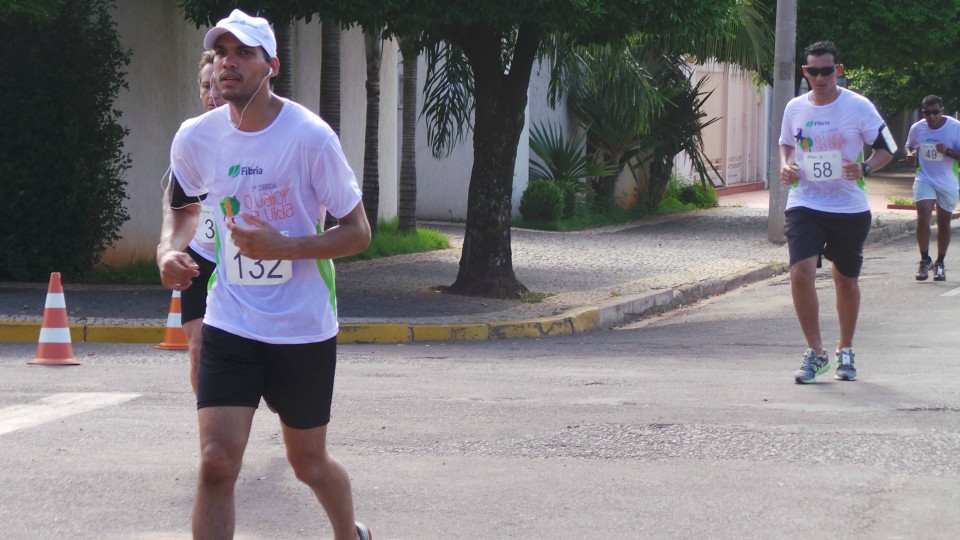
(823, 166)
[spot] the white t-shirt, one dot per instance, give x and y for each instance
(933, 167)
(289, 175)
(822, 136)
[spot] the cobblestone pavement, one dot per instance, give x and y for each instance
(575, 269)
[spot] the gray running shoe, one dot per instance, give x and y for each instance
(846, 367)
(364, 532)
(924, 269)
(939, 272)
(813, 365)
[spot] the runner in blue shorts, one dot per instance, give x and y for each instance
(272, 169)
(827, 212)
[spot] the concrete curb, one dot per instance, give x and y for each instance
(575, 321)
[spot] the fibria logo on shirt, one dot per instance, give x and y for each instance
(237, 170)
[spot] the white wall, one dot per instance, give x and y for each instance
(162, 79)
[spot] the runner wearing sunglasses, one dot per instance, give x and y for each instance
(827, 212)
(933, 144)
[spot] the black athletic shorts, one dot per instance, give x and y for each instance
(193, 299)
(296, 381)
(838, 237)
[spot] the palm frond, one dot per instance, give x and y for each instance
(447, 98)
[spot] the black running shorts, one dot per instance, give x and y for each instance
(296, 380)
(838, 237)
(193, 299)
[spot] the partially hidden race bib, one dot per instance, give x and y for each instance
(206, 229)
(928, 152)
(245, 271)
(823, 166)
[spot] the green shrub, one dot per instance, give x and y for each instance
(543, 200)
(697, 194)
(61, 158)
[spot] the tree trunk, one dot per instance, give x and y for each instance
(486, 262)
(373, 46)
(283, 82)
(330, 75)
(330, 85)
(407, 209)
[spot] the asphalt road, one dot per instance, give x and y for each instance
(688, 425)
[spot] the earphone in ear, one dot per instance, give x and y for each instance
(269, 73)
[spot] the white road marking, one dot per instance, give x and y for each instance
(954, 292)
(56, 406)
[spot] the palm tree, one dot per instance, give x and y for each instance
(373, 46)
(330, 74)
(330, 84)
(638, 105)
(283, 83)
(407, 208)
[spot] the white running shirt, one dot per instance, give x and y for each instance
(933, 167)
(822, 136)
(289, 175)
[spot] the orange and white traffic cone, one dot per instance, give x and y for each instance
(174, 339)
(54, 347)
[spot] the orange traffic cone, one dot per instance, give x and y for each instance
(54, 347)
(174, 339)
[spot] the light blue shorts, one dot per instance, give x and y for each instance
(946, 199)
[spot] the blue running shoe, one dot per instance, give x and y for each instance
(846, 368)
(813, 365)
(364, 532)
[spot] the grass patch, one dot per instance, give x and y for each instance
(136, 272)
(388, 241)
(902, 201)
(533, 297)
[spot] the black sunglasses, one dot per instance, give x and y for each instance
(931, 113)
(824, 71)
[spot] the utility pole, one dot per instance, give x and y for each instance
(785, 47)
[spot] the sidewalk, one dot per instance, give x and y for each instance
(596, 279)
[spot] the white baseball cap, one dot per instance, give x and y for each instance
(251, 31)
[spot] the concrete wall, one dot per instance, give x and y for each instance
(162, 79)
(442, 184)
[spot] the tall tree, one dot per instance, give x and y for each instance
(330, 74)
(283, 83)
(500, 40)
(894, 34)
(407, 204)
(373, 48)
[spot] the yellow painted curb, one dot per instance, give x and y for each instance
(572, 322)
(125, 334)
(585, 320)
(374, 333)
(515, 330)
(22, 332)
(450, 332)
